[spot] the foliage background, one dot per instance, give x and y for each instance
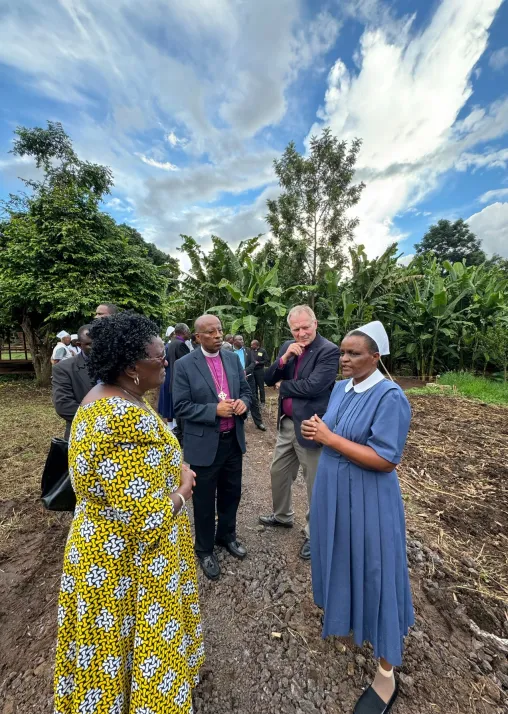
(61, 255)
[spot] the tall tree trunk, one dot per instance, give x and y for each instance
(40, 348)
(314, 268)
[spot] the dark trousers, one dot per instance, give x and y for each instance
(259, 378)
(223, 479)
(254, 407)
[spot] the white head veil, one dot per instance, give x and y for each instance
(376, 332)
(62, 334)
(170, 331)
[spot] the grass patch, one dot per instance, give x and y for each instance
(27, 423)
(468, 385)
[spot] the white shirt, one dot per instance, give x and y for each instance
(68, 352)
(371, 381)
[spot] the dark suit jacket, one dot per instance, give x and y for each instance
(175, 349)
(311, 389)
(261, 356)
(195, 401)
(71, 383)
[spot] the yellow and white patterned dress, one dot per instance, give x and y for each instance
(129, 627)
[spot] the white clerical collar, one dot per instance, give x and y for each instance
(374, 378)
(209, 354)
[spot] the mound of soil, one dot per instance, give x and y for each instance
(262, 630)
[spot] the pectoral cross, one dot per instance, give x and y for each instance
(222, 396)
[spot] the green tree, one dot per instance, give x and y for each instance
(454, 242)
(310, 219)
(60, 255)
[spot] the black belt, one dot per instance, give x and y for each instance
(226, 434)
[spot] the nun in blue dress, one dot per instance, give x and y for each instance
(358, 533)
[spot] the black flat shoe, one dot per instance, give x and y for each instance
(305, 550)
(261, 427)
(210, 566)
(235, 548)
(371, 703)
(272, 521)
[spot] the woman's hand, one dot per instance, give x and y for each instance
(187, 483)
(316, 430)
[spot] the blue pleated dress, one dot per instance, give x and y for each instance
(358, 532)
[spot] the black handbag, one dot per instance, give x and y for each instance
(57, 493)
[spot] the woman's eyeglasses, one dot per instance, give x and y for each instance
(160, 359)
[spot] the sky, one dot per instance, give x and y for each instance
(190, 102)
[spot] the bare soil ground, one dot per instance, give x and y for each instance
(264, 650)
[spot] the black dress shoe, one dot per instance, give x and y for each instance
(261, 427)
(305, 550)
(272, 521)
(234, 547)
(210, 566)
(371, 703)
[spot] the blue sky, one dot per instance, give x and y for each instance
(190, 102)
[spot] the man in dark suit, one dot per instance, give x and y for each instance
(175, 350)
(304, 373)
(261, 361)
(248, 364)
(71, 381)
(211, 396)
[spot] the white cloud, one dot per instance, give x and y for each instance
(489, 160)
(173, 139)
(116, 204)
(491, 226)
(406, 259)
(206, 75)
(491, 195)
(499, 59)
(164, 165)
(404, 101)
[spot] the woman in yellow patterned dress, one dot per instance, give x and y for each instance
(129, 626)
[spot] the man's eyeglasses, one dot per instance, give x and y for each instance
(212, 333)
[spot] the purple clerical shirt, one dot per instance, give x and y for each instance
(287, 402)
(220, 379)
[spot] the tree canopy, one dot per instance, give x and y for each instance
(61, 255)
(310, 219)
(453, 242)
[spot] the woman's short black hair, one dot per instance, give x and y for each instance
(371, 344)
(118, 342)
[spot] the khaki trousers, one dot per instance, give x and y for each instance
(287, 458)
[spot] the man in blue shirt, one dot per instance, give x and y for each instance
(248, 364)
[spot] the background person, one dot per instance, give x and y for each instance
(165, 403)
(128, 606)
(62, 349)
(261, 361)
(227, 345)
(212, 397)
(71, 381)
(177, 348)
(106, 309)
(358, 532)
(304, 373)
(74, 346)
(248, 365)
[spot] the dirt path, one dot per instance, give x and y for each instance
(264, 650)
